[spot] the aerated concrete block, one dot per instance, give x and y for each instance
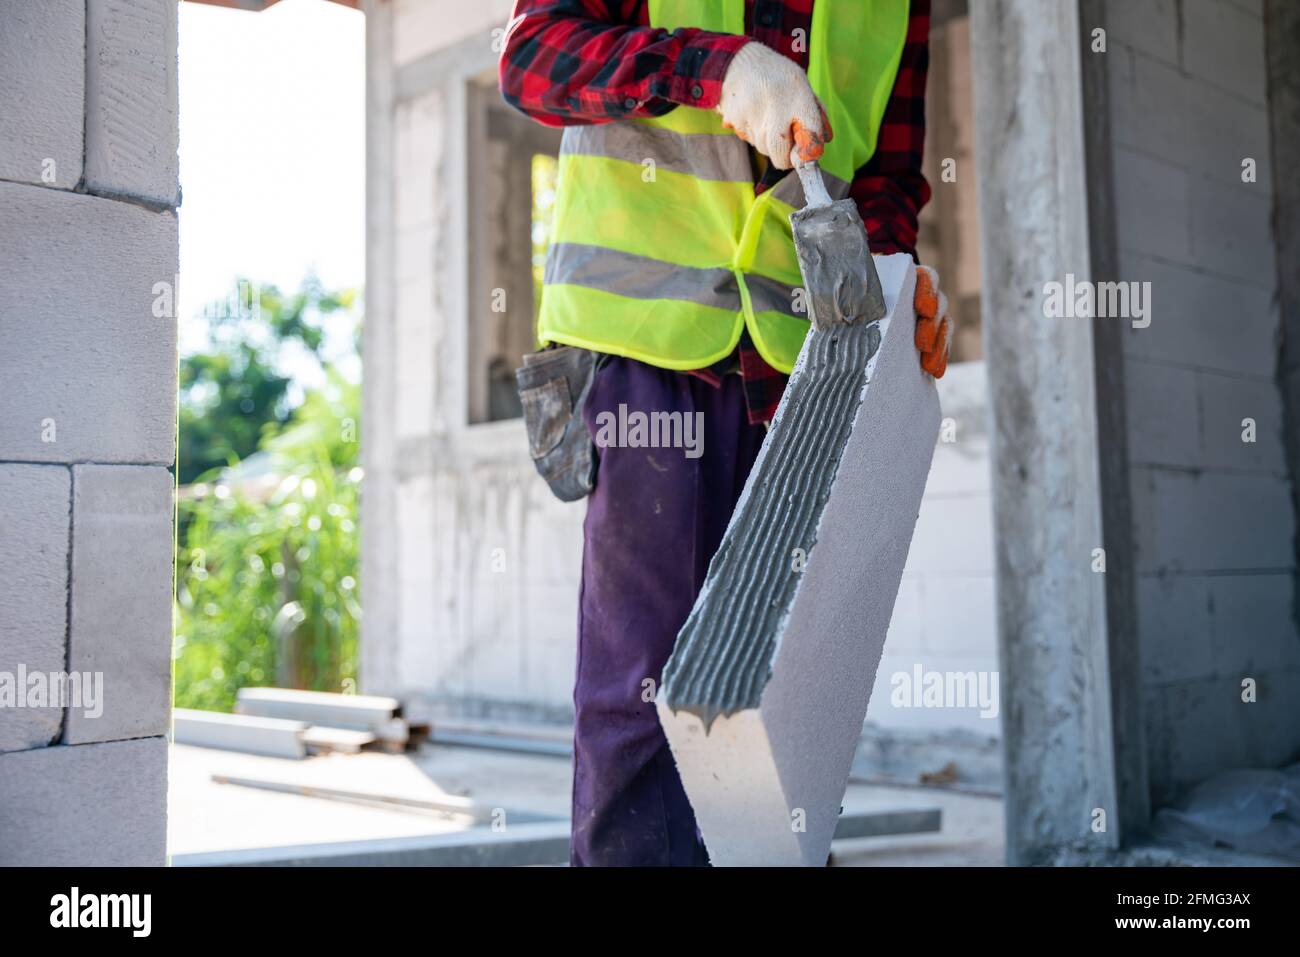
(34, 510)
(88, 365)
(764, 696)
(93, 805)
(131, 97)
(121, 612)
(42, 79)
(274, 737)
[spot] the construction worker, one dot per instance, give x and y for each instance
(672, 258)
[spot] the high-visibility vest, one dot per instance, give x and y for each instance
(660, 249)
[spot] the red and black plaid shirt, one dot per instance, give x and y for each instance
(570, 62)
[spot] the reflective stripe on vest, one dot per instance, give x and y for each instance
(661, 251)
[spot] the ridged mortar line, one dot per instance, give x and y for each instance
(723, 660)
(776, 598)
(803, 472)
(787, 444)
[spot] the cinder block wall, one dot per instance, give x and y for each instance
(1214, 525)
(88, 260)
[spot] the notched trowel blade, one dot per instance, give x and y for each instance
(838, 271)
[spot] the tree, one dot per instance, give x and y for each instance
(235, 393)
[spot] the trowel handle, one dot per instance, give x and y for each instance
(808, 149)
(814, 187)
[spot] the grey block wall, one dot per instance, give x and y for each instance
(41, 111)
(93, 805)
(88, 261)
(1213, 520)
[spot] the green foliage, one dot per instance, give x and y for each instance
(268, 561)
(545, 173)
(234, 392)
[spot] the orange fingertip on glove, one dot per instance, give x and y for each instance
(933, 327)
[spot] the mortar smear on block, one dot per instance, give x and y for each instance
(764, 696)
(723, 656)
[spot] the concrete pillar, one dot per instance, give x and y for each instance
(1282, 34)
(88, 261)
(1064, 777)
(379, 455)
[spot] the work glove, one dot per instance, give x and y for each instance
(933, 327)
(765, 99)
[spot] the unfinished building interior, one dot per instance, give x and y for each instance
(1109, 524)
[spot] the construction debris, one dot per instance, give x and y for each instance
(288, 723)
(322, 740)
(764, 697)
(375, 715)
(446, 805)
(274, 737)
(359, 712)
(948, 774)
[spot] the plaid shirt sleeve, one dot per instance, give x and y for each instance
(571, 62)
(890, 189)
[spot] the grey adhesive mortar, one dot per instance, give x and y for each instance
(764, 696)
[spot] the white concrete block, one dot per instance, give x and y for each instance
(1148, 104)
(1208, 728)
(93, 805)
(419, 126)
(1164, 422)
(42, 89)
(35, 505)
(121, 622)
(273, 737)
(1187, 325)
(1223, 132)
(417, 339)
(954, 535)
(1252, 625)
(1225, 45)
(936, 692)
(1150, 26)
(1232, 231)
(421, 27)
(131, 100)
(1253, 7)
(1213, 521)
(764, 696)
(88, 370)
(1151, 214)
(1174, 615)
(1226, 402)
(959, 617)
(355, 711)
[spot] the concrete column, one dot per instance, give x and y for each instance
(88, 261)
(1282, 35)
(1032, 167)
(379, 455)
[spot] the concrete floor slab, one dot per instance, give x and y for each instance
(210, 818)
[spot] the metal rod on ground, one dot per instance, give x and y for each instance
(447, 805)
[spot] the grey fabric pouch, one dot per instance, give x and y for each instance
(553, 385)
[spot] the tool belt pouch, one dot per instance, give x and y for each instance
(553, 385)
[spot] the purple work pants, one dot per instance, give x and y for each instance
(654, 520)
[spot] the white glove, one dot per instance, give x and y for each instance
(763, 95)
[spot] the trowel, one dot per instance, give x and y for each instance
(838, 272)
